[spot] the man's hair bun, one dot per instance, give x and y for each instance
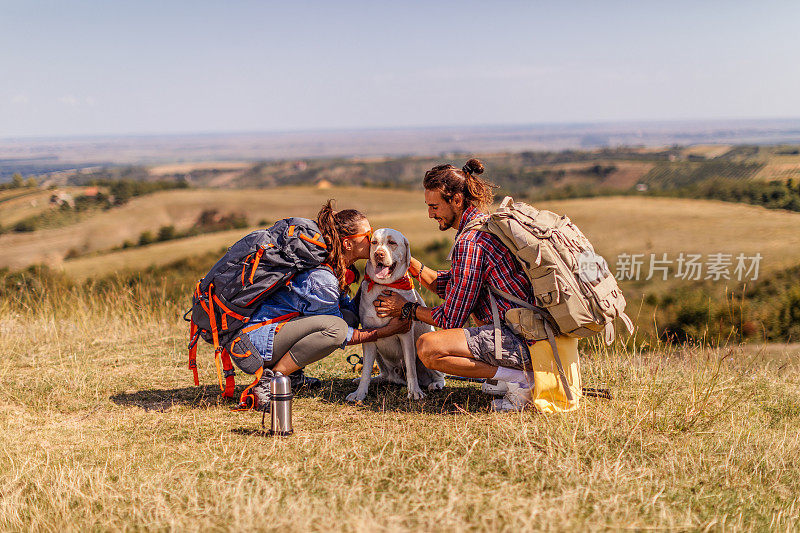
(473, 166)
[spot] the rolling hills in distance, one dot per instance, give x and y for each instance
(40, 155)
(649, 202)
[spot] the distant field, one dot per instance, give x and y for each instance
(180, 208)
(780, 167)
(614, 224)
(625, 175)
(709, 151)
(180, 168)
(656, 225)
(17, 204)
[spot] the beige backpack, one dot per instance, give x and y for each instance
(574, 292)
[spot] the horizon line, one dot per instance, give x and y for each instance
(518, 125)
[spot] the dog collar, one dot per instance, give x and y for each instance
(404, 284)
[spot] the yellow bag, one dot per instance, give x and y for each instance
(548, 392)
(549, 395)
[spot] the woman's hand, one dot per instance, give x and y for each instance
(397, 326)
(389, 303)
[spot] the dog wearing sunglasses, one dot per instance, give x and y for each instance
(387, 267)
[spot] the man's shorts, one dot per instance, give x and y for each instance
(514, 352)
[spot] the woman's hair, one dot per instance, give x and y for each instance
(449, 181)
(335, 225)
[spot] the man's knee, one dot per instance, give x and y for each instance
(426, 349)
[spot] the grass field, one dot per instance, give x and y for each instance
(180, 208)
(18, 204)
(102, 430)
(614, 225)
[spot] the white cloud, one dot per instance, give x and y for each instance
(20, 99)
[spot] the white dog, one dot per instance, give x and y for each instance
(389, 257)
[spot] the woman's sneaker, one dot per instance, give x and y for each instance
(516, 398)
(494, 387)
(261, 392)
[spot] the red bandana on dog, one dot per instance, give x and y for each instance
(404, 284)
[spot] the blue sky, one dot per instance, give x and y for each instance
(113, 67)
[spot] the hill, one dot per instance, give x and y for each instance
(108, 229)
(616, 225)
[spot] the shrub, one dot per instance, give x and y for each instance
(24, 226)
(166, 233)
(146, 238)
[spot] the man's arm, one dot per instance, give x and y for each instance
(426, 276)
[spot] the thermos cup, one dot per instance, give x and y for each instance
(280, 388)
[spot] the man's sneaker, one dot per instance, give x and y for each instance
(516, 399)
(494, 387)
(300, 380)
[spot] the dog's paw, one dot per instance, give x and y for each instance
(415, 394)
(356, 396)
(436, 385)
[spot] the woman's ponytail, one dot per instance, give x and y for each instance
(334, 225)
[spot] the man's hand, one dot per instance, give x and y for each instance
(389, 303)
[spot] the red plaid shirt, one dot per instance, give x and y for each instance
(479, 258)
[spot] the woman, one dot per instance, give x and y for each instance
(319, 296)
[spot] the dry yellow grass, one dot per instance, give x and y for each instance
(102, 431)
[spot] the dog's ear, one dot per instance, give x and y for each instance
(408, 250)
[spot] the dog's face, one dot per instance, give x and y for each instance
(389, 255)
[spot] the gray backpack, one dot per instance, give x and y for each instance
(224, 300)
(574, 292)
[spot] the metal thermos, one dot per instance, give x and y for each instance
(280, 389)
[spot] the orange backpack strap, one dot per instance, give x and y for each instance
(249, 401)
(225, 373)
(193, 336)
(228, 372)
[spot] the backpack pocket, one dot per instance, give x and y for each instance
(526, 323)
(546, 290)
(245, 354)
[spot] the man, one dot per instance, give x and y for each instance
(455, 197)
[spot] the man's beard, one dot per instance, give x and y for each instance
(446, 224)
